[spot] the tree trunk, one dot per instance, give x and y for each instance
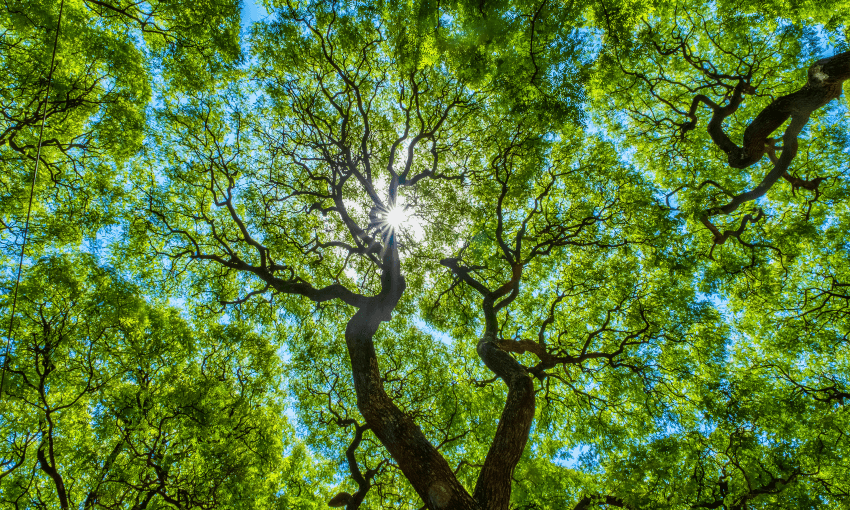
(493, 489)
(421, 463)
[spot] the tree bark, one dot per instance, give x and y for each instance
(50, 469)
(493, 489)
(421, 463)
(825, 79)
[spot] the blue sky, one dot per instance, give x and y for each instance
(251, 12)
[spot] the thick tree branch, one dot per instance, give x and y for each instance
(825, 79)
(588, 502)
(421, 463)
(48, 465)
(493, 488)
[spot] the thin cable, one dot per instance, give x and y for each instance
(29, 206)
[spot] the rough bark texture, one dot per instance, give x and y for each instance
(421, 463)
(494, 481)
(493, 488)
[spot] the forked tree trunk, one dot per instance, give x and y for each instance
(422, 464)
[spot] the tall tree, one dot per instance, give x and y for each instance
(486, 239)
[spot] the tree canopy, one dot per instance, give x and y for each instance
(476, 255)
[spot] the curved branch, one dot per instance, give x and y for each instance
(826, 77)
(422, 464)
(589, 502)
(49, 467)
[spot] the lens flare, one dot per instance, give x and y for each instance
(396, 217)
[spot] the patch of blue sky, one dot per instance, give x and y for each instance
(435, 333)
(252, 13)
(572, 458)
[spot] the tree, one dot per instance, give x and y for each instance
(472, 281)
(83, 72)
(111, 402)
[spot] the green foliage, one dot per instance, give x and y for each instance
(93, 102)
(130, 402)
(195, 180)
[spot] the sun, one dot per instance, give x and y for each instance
(399, 220)
(396, 217)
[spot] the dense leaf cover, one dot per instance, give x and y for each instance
(621, 279)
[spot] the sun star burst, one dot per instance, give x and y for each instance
(396, 217)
